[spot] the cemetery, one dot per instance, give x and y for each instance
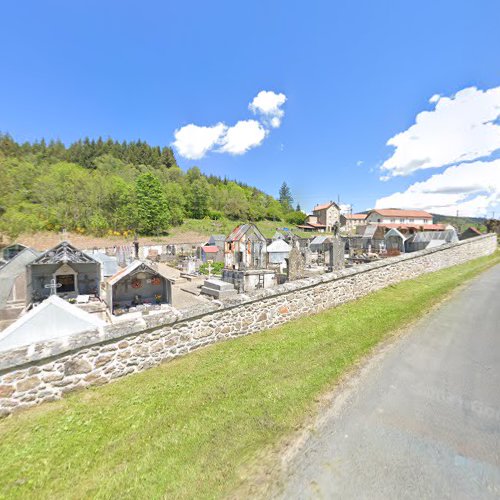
(122, 283)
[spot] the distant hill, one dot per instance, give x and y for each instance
(461, 223)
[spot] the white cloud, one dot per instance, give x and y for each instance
(471, 188)
(246, 134)
(268, 104)
(460, 128)
(194, 142)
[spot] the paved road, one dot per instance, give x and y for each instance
(423, 422)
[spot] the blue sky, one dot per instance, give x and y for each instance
(354, 75)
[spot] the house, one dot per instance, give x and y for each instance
(278, 251)
(398, 216)
(312, 224)
(470, 232)
(323, 218)
(53, 318)
(63, 270)
(327, 214)
(245, 248)
(137, 287)
(350, 221)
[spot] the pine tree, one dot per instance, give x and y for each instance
(297, 208)
(286, 198)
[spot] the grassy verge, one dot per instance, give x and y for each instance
(192, 427)
(225, 226)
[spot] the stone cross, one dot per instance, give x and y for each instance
(53, 285)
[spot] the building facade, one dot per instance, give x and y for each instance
(398, 216)
(327, 215)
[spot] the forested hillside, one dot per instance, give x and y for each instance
(107, 187)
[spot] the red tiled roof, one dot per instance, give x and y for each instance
(210, 249)
(324, 206)
(397, 212)
(474, 230)
(355, 216)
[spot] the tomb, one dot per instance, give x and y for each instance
(245, 260)
(63, 270)
(245, 249)
(138, 287)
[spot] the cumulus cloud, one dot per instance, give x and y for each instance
(463, 127)
(268, 105)
(246, 134)
(194, 142)
(471, 188)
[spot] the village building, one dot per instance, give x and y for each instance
(399, 216)
(323, 218)
(65, 271)
(328, 215)
(349, 222)
(53, 318)
(137, 287)
(311, 224)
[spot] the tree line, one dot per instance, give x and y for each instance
(109, 187)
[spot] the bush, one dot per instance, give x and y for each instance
(216, 268)
(295, 218)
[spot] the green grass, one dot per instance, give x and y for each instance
(195, 426)
(224, 226)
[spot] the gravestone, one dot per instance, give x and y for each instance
(296, 264)
(336, 259)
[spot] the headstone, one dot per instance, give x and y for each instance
(296, 264)
(336, 258)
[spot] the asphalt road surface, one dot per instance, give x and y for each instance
(423, 422)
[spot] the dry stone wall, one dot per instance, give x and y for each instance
(46, 371)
